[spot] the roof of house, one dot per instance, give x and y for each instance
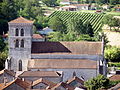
(82, 47)
(37, 36)
(63, 85)
(8, 72)
(80, 4)
(41, 80)
(17, 81)
(75, 79)
(39, 74)
(67, 7)
(115, 77)
(62, 64)
(21, 20)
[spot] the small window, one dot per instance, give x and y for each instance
(22, 32)
(16, 32)
(17, 43)
(20, 65)
(22, 43)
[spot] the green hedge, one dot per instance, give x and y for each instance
(116, 64)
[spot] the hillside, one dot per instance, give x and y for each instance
(93, 18)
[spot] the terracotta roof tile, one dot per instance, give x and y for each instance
(41, 80)
(115, 77)
(19, 82)
(75, 79)
(7, 71)
(21, 20)
(37, 36)
(66, 86)
(92, 48)
(62, 63)
(39, 74)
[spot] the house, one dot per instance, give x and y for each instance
(106, 7)
(38, 38)
(62, 86)
(53, 76)
(68, 8)
(42, 84)
(46, 31)
(65, 2)
(16, 84)
(82, 6)
(84, 58)
(6, 76)
(115, 77)
(117, 9)
(75, 82)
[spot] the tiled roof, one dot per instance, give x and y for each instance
(64, 85)
(75, 79)
(7, 71)
(62, 64)
(37, 36)
(21, 20)
(82, 47)
(41, 80)
(19, 82)
(39, 74)
(115, 77)
(80, 4)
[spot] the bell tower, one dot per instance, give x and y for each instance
(20, 38)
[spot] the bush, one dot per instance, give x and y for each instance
(112, 54)
(115, 64)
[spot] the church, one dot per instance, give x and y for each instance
(81, 58)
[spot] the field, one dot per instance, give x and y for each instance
(93, 18)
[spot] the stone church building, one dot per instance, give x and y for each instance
(83, 59)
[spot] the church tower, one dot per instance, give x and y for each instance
(20, 39)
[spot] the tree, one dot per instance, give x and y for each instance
(112, 53)
(57, 24)
(75, 25)
(89, 29)
(50, 3)
(85, 37)
(3, 52)
(31, 9)
(2, 44)
(96, 83)
(113, 2)
(7, 10)
(108, 19)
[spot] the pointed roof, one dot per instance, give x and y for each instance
(21, 20)
(75, 79)
(17, 81)
(41, 80)
(7, 71)
(64, 85)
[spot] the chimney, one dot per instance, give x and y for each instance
(5, 81)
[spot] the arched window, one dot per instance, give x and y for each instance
(17, 43)
(22, 43)
(16, 32)
(20, 65)
(22, 32)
